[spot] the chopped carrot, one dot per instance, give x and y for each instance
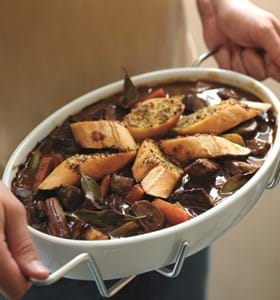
(173, 214)
(94, 234)
(104, 185)
(135, 194)
(156, 94)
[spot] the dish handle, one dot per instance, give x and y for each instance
(275, 178)
(202, 57)
(121, 283)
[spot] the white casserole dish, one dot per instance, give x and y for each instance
(142, 253)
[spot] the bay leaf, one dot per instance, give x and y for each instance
(234, 183)
(92, 191)
(126, 229)
(130, 93)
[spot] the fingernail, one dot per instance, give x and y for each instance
(37, 266)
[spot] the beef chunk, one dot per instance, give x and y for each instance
(196, 200)
(36, 213)
(24, 193)
(193, 103)
(226, 93)
(154, 219)
(258, 147)
(71, 197)
(202, 167)
(246, 128)
(116, 202)
(234, 167)
(121, 185)
(47, 164)
(63, 140)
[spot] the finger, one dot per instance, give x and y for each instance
(206, 10)
(13, 284)
(236, 60)
(213, 36)
(254, 64)
(223, 58)
(276, 24)
(272, 70)
(269, 39)
(18, 238)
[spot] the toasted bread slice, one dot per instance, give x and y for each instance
(157, 174)
(160, 182)
(234, 138)
(149, 156)
(185, 149)
(95, 166)
(154, 117)
(262, 107)
(102, 134)
(221, 117)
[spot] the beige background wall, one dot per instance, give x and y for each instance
(245, 263)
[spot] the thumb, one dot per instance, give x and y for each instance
(18, 239)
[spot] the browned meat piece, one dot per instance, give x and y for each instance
(193, 103)
(226, 93)
(246, 128)
(36, 213)
(67, 146)
(196, 200)
(116, 202)
(154, 219)
(121, 185)
(56, 219)
(46, 165)
(92, 112)
(110, 112)
(71, 197)
(258, 147)
(24, 193)
(234, 167)
(62, 140)
(202, 167)
(77, 228)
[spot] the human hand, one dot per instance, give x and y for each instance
(18, 259)
(248, 35)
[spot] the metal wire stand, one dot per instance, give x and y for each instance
(96, 275)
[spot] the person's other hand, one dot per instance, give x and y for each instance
(18, 259)
(248, 35)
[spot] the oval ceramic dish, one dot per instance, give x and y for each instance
(120, 258)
